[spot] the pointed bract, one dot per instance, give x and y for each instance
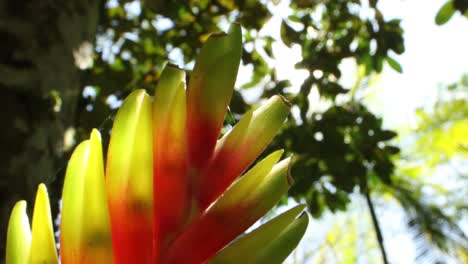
(171, 181)
(240, 147)
(85, 228)
(18, 235)
(209, 91)
(279, 249)
(129, 180)
(43, 241)
(241, 206)
(72, 205)
(253, 247)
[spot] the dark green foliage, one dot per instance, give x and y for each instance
(337, 151)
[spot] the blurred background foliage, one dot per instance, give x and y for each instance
(340, 148)
(436, 157)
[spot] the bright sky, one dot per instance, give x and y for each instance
(434, 55)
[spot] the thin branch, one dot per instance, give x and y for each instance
(378, 231)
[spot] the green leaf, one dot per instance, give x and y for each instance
(289, 35)
(386, 135)
(394, 64)
(445, 13)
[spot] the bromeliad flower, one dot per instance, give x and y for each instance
(171, 193)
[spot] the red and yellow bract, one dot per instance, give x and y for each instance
(171, 193)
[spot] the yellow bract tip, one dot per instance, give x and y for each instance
(43, 242)
(18, 235)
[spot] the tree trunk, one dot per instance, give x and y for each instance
(39, 91)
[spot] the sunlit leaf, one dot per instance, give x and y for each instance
(445, 13)
(394, 64)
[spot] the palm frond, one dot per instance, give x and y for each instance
(432, 230)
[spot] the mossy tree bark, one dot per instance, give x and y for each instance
(39, 93)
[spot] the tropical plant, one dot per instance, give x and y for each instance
(170, 194)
